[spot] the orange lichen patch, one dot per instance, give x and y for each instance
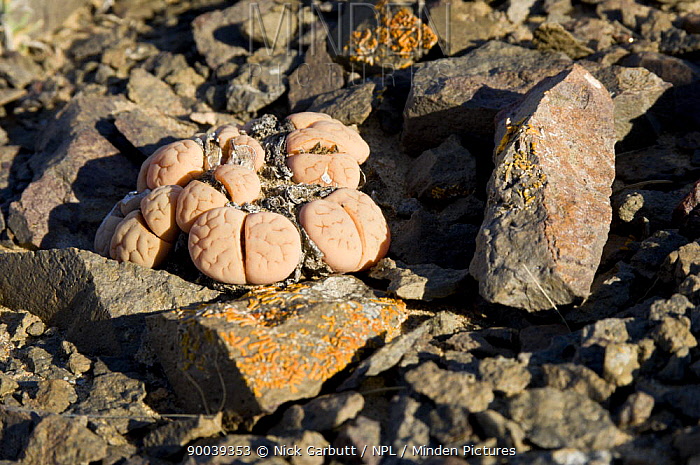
(398, 33)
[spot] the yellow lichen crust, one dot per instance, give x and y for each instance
(399, 33)
(519, 171)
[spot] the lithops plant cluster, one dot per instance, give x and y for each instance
(271, 201)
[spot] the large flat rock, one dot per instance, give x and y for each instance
(98, 302)
(271, 346)
(458, 95)
(78, 174)
(548, 211)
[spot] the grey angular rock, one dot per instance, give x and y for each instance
(169, 438)
(564, 456)
(450, 425)
(463, 25)
(351, 105)
(452, 95)
(317, 74)
(147, 129)
(548, 216)
(418, 282)
(360, 432)
(217, 33)
(116, 404)
(259, 82)
(671, 69)
(553, 419)
(505, 375)
(636, 409)
(408, 426)
(387, 357)
(552, 37)
(145, 89)
(97, 301)
(78, 176)
(251, 362)
(620, 363)
(445, 172)
(577, 378)
(507, 432)
(654, 250)
(324, 413)
(634, 91)
(673, 335)
(59, 440)
(662, 161)
(275, 28)
(610, 292)
(15, 429)
(54, 396)
(450, 387)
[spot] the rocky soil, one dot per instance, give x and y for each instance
(536, 161)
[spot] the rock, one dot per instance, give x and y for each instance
(276, 353)
(464, 25)
(505, 375)
(604, 332)
(244, 442)
(539, 337)
(351, 105)
(145, 89)
(675, 70)
(681, 263)
(565, 456)
(437, 235)
(451, 96)
(449, 387)
(318, 74)
(22, 325)
(650, 209)
(450, 425)
(78, 176)
(634, 91)
(408, 425)
(654, 250)
(78, 363)
(36, 18)
(577, 378)
(259, 82)
(358, 433)
(658, 162)
(518, 10)
(217, 34)
(327, 412)
(515, 261)
(59, 440)
(485, 343)
(419, 282)
(442, 173)
(15, 429)
(275, 28)
(387, 356)
(8, 385)
(507, 432)
(170, 438)
(673, 335)
(685, 400)
(97, 301)
(147, 128)
(115, 403)
(54, 396)
(553, 419)
(610, 292)
(636, 410)
(619, 363)
(552, 37)
(18, 70)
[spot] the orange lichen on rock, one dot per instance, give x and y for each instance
(274, 354)
(398, 34)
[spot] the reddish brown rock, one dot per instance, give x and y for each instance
(269, 347)
(548, 211)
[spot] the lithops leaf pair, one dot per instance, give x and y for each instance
(248, 224)
(324, 151)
